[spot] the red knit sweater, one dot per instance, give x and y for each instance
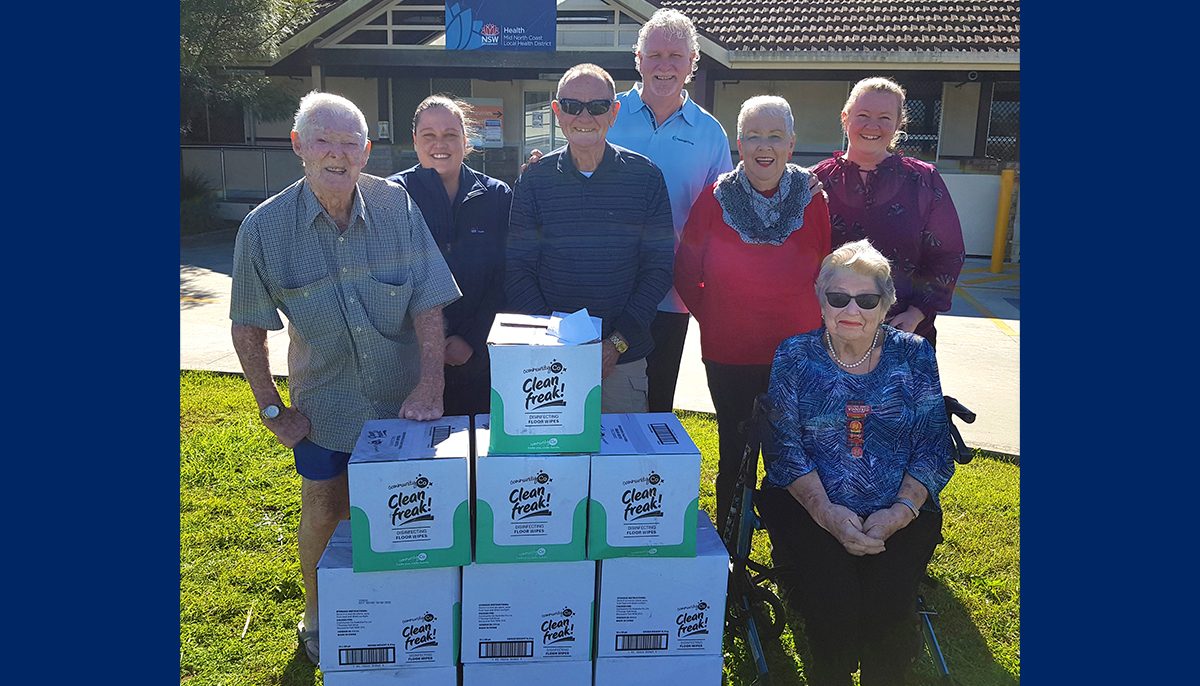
(748, 298)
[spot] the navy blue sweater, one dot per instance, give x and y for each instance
(471, 233)
(604, 242)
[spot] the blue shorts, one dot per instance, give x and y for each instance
(317, 463)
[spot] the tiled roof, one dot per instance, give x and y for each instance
(858, 25)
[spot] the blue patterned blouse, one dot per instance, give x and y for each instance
(860, 432)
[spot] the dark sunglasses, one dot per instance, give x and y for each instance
(866, 301)
(575, 107)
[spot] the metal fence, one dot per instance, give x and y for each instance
(1003, 142)
(242, 173)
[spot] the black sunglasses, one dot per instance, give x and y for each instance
(866, 301)
(574, 107)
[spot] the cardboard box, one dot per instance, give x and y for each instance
(528, 613)
(374, 620)
(410, 506)
(424, 676)
(529, 508)
(645, 486)
(665, 606)
(527, 673)
(545, 394)
(693, 670)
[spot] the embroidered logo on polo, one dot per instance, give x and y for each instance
(856, 418)
(682, 140)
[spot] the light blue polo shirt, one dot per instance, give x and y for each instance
(690, 148)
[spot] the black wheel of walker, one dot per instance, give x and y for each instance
(769, 613)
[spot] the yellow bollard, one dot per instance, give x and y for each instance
(1007, 178)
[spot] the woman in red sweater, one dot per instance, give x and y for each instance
(746, 267)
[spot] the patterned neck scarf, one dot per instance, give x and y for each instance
(757, 218)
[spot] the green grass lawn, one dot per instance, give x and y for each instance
(240, 590)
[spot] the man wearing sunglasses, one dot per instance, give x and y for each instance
(591, 227)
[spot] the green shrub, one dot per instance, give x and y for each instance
(197, 204)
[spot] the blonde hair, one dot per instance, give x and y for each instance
(454, 106)
(882, 85)
(861, 258)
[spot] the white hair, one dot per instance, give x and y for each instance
(676, 25)
(770, 104)
(861, 258)
(316, 102)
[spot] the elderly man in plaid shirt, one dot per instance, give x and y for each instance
(348, 259)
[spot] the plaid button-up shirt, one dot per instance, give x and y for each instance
(349, 298)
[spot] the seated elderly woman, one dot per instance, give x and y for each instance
(850, 499)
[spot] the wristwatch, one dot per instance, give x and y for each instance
(620, 345)
(270, 412)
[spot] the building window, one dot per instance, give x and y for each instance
(540, 129)
(1003, 137)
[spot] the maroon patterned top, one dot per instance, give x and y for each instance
(905, 210)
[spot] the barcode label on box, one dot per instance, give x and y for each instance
(505, 649)
(664, 434)
(440, 433)
(385, 655)
(642, 642)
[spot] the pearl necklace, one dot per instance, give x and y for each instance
(829, 344)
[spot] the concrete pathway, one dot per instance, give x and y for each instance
(978, 340)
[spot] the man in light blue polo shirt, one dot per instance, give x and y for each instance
(659, 120)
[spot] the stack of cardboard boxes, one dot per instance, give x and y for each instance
(391, 576)
(529, 598)
(573, 539)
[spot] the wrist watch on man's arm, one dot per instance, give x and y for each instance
(618, 343)
(270, 411)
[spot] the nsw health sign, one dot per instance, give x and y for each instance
(501, 25)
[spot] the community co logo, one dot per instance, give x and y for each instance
(413, 504)
(419, 632)
(544, 390)
(489, 35)
(558, 627)
(641, 502)
(532, 501)
(692, 620)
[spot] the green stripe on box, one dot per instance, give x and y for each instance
(599, 549)
(500, 443)
(367, 560)
(488, 551)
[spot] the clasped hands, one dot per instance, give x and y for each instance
(861, 536)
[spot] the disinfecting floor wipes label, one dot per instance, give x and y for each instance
(409, 494)
(529, 508)
(545, 393)
(375, 620)
(665, 605)
(528, 612)
(644, 491)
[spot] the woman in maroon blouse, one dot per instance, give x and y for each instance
(899, 203)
